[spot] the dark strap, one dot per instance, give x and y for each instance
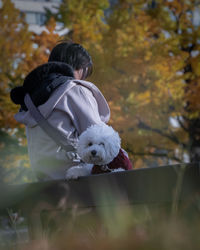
(52, 132)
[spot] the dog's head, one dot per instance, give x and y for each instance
(99, 144)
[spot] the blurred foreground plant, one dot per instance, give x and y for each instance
(155, 231)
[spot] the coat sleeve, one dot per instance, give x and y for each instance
(82, 108)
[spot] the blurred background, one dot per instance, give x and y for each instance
(146, 57)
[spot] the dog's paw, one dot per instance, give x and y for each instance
(118, 170)
(74, 173)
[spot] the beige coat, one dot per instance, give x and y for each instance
(71, 108)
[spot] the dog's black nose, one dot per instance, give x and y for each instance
(93, 152)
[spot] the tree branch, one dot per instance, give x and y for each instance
(154, 155)
(182, 125)
(171, 137)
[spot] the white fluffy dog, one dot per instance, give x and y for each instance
(98, 145)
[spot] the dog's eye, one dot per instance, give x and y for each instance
(89, 144)
(102, 144)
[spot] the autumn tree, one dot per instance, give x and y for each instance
(21, 51)
(140, 65)
(145, 82)
(188, 31)
(177, 18)
(158, 40)
(15, 45)
(84, 19)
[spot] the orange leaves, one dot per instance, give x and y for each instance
(14, 46)
(21, 51)
(195, 63)
(85, 18)
(179, 7)
(192, 96)
(43, 44)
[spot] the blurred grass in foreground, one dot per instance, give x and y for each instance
(115, 224)
(120, 227)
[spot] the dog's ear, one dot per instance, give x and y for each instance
(113, 149)
(116, 140)
(113, 144)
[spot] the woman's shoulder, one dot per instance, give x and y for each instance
(86, 85)
(83, 86)
(92, 89)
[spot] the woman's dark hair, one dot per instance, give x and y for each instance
(64, 59)
(74, 55)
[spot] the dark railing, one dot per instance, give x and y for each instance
(163, 186)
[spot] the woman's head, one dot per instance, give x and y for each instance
(74, 55)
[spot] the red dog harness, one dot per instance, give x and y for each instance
(120, 161)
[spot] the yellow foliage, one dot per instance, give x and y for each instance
(15, 45)
(85, 19)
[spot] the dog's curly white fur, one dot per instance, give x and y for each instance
(99, 145)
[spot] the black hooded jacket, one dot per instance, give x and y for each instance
(38, 83)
